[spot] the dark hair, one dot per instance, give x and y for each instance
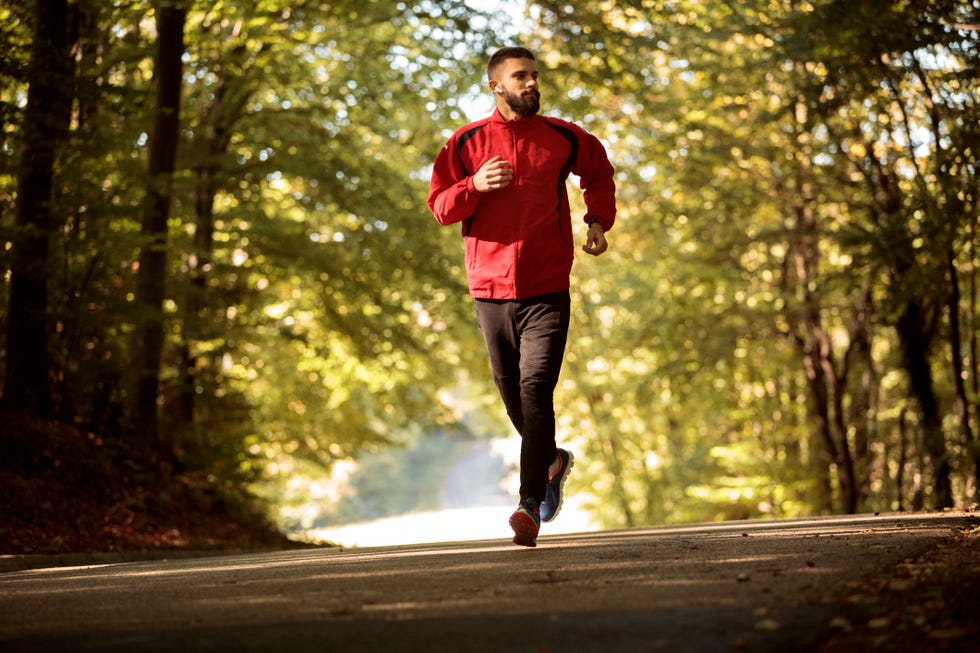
(503, 54)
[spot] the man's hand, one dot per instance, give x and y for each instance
(595, 243)
(496, 173)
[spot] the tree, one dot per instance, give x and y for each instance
(792, 277)
(147, 342)
(44, 129)
(305, 292)
(888, 88)
(736, 129)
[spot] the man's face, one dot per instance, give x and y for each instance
(517, 82)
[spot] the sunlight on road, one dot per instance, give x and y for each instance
(478, 492)
(459, 525)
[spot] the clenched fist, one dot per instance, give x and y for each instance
(496, 173)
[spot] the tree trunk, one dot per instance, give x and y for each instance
(974, 364)
(147, 343)
(45, 128)
(956, 357)
(863, 410)
(195, 297)
(613, 462)
(826, 385)
(219, 120)
(902, 460)
(915, 335)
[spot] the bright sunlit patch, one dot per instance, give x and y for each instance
(457, 525)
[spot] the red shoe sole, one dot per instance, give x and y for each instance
(525, 529)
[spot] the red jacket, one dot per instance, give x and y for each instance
(518, 239)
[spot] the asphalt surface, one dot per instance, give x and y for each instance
(737, 586)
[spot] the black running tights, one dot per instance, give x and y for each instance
(526, 342)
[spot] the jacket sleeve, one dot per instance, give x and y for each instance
(452, 196)
(596, 178)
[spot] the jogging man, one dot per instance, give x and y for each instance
(503, 178)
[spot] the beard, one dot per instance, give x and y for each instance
(526, 104)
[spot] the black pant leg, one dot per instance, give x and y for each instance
(499, 327)
(526, 342)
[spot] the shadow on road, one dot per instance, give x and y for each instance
(852, 583)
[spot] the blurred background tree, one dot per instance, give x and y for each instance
(799, 214)
(785, 323)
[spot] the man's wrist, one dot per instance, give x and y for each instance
(592, 219)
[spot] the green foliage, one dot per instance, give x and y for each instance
(735, 353)
(794, 179)
(319, 315)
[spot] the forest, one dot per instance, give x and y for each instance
(219, 266)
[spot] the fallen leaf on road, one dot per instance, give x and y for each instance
(900, 584)
(947, 633)
(840, 623)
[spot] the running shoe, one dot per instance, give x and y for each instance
(526, 521)
(556, 482)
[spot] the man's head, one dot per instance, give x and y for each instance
(513, 77)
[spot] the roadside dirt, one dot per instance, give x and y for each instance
(67, 491)
(928, 603)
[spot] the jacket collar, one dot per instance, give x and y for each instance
(497, 117)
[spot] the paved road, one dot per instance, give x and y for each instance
(746, 586)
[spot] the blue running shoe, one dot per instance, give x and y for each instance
(526, 521)
(556, 482)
